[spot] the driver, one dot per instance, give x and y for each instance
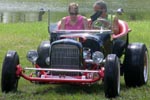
(102, 19)
(74, 21)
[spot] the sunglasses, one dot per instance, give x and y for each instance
(73, 13)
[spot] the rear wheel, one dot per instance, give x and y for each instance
(9, 81)
(136, 65)
(112, 76)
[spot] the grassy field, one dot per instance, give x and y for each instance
(26, 36)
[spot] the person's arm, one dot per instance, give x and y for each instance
(85, 22)
(89, 23)
(115, 26)
(62, 24)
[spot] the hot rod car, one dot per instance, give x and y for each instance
(82, 57)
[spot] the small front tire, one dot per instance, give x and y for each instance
(112, 76)
(9, 81)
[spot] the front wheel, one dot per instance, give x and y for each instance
(9, 80)
(136, 65)
(112, 76)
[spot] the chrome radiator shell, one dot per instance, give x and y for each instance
(66, 54)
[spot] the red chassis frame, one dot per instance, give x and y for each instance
(88, 77)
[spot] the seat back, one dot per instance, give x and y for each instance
(123, 29)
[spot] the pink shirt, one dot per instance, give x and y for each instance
(77, 26)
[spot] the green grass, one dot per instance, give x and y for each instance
(26, 36)
(22, 36)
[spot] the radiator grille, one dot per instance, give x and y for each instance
(65, 56)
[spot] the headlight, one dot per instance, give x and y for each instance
(86, 53)
(97, 57)
(32, 56)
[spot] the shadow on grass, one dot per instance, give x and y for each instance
(73, 89)
(56, 90)
(96, 90)
(64, 89)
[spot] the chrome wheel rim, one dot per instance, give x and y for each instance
(145, 71)
(118, 87)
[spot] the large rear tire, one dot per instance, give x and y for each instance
(112, 76)
(9, 81)
(136, 65)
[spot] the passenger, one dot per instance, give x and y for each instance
(74, 21)
(102, 19)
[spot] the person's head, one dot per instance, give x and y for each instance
(73, 9)
(100, 5)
